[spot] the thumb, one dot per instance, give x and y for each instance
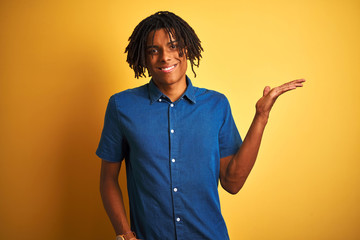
(266, 90)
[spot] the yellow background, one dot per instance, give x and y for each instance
(61, 60)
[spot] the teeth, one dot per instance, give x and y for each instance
(167, 69)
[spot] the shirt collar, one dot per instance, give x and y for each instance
(155, 94)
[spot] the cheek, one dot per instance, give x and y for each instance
(150, 62)
(184, 63)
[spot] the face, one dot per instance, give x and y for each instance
(163, 60)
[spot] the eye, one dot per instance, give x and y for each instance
(153, 51)
(173, 46)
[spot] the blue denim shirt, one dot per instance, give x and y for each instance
(172, 152)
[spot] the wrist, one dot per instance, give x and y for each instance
(126, 236)
(261, 118)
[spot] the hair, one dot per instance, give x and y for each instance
(176, 27)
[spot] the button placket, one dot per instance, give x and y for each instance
(173, 167)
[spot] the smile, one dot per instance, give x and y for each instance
(168, 69)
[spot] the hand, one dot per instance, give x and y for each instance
(265, 103)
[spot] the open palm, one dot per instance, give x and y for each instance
(265, 103)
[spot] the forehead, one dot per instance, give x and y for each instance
(159, 36)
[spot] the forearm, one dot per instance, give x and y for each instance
(114, 205)
(240, 165)
(235, 169)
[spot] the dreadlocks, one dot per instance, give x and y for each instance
(175, 26)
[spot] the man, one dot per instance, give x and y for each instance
(177, 140)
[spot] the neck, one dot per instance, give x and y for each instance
(173, 91)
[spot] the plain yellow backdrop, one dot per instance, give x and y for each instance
(61, 60)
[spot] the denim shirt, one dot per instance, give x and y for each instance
(172, 152)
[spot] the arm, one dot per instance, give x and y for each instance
(235, 169)
(112, 197)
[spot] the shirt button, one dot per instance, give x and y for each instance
(173, 160)
(172, 131)
(178, 219)
(175, 189)
(171, 105)
(160, 100)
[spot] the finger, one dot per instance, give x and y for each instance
(284, 89)
(297, 82)
(292, 85)
(287, 87)
(266, 90)
(277, 91)
(301, 80)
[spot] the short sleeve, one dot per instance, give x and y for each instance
(112, 143)
(229, 137)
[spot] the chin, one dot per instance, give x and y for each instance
(167, 80)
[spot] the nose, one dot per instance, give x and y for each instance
(165, 56)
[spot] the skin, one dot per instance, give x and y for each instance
(235, 169)
(112, 197)
(162, 54)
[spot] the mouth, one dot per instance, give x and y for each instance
(168, 69)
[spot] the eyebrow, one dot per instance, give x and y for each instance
(155, 46)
